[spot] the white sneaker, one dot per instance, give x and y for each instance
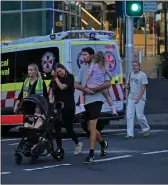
(114, 111)
(78, 148)
(78, 110)
(82, 108)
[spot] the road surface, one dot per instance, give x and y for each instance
(139, 160)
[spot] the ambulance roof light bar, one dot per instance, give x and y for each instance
(93, 34)
(58, 36)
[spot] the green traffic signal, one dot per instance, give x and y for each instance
(134, 8)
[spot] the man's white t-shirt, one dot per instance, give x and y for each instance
(136, 80)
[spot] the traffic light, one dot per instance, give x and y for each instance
(134, 8)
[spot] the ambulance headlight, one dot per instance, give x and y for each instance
(52, 36)
(92, 35)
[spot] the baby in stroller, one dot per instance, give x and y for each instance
(38, 126)
(36, 121)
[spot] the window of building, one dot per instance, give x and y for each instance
(45, 58)
(59, 24)
(10, 27)
(58, 5)
(7, 67)
(32, 4)
(10, 5)
(37, 23)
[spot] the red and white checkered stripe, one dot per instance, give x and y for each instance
(117, 93)
(8, 98)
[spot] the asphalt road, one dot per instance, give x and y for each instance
(139, 160)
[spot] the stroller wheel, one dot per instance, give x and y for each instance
(59, 154)
(18, 159)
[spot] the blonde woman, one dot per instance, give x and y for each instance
(32, 85)
(95, 77)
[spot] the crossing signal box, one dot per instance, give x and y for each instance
(134, 8)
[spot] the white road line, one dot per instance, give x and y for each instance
(14, 139)
(155, 152)
(151, 131)
(14, 144)
(5, 173)
(113, 158)
(156, 131)
(46, 167)
(112, 130)
(112, 151)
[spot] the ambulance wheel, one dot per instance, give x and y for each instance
(18, 159)
(59, 154)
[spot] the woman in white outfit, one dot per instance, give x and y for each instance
(136, 85)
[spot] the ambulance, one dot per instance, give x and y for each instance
(46, 51)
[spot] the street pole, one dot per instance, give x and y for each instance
(129, 47)
(165, 23)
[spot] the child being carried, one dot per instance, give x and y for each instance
(95, 77)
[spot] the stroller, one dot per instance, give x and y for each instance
(37, 142)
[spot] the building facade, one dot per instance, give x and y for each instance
(21, 19)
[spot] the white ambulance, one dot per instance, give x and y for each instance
(64, 48)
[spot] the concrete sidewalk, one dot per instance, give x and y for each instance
(156, 121)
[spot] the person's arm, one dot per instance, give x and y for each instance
(60, 85)
(51, 95)
(18, 100)
(105, 85)
(68, 82)
(78, 81)
(89, 73)
(107, 71)
(143, 87)
(45, 93)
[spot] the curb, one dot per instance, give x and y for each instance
(123, 126)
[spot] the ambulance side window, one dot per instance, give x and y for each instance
(7, 68)
(45, 58)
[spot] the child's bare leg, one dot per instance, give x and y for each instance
(82, 101)
(38, 124)
(27, 125)
(109, 100)
(107, 96)
(82, 98)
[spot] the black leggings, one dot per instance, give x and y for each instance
(68, 116)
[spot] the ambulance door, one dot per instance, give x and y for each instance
(45, 58)
(7, 81)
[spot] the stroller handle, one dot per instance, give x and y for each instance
(53, 106)
(60, 102)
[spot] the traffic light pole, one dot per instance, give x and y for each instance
(129, 47)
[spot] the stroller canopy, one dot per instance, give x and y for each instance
(28, 104)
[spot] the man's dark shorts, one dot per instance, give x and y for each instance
(93, 110)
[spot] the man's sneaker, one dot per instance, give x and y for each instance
(128, 137)
(78, 148)
(89, 159)
(104, 150)
(146, 133)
